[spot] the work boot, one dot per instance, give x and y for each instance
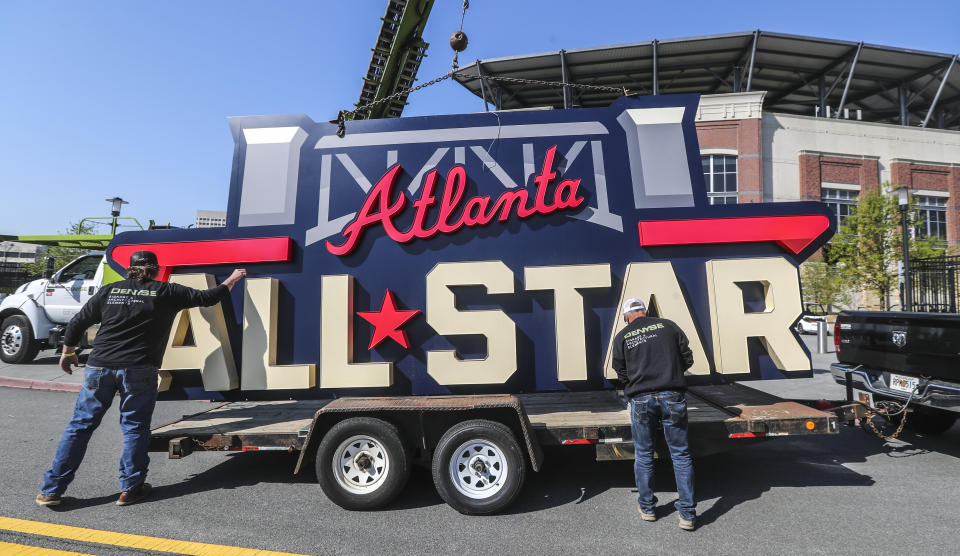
(44, 500)
(134, 495)
(688, 524)
(652, 516)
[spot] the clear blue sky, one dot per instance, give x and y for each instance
(131, 98)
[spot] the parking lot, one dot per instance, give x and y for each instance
(813, 495)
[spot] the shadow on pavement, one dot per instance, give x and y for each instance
(571, 475)
(731, 478)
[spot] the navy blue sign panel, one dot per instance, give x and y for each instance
(445, 227)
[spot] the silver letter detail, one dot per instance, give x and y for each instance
(271, 170)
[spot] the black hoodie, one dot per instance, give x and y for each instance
(650, 355)
(136, 317)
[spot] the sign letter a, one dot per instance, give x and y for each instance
(210, 351)
(657, 284)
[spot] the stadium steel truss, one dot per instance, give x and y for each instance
(802, 75)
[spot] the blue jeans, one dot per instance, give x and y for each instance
(669, 408)
(138, 395)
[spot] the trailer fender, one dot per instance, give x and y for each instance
(421, 417)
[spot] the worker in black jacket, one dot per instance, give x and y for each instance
(650, 356)
(135, 317)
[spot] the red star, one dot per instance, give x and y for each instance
(387, 322)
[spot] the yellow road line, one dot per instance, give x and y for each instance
(126, 540)
(10, 549)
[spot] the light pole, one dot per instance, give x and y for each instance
(903, 200)
(115, 212)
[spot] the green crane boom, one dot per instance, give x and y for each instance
(396, 58)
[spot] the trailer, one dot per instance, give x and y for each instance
(445, 290)
(478, 447)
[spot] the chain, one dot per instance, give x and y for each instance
(343, 115)
(623, 90)
(882, 411)
(870, 414)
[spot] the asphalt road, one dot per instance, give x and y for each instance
(816, 495)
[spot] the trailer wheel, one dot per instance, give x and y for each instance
(362, 463)
(17, 344)
(478, 467)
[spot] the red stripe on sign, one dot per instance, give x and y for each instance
(207, 253)
(793, 233)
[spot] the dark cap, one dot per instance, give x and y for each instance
(143, 258)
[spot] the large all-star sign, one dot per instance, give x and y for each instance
(481, 252)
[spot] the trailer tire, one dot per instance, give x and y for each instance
(17, 344)
(362, 463)
(478, 467)
(931, 421)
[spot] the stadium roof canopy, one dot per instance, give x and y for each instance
(800, 75)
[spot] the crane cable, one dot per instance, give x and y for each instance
(456, 53)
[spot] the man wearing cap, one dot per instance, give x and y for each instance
(135, 317)
(650, 356)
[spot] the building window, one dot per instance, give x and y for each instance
(933, 217)
(841, 201)
(720, 175)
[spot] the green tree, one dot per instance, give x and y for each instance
(60, 255)
(824, 284)
(868, 245)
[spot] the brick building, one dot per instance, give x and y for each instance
(781, 117)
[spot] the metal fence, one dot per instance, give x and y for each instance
(12, 275)
(936, 284)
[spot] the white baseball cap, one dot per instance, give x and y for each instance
(633, 304)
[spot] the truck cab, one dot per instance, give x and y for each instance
(35, 315)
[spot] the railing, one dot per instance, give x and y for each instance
(936, 284)
(12, 276)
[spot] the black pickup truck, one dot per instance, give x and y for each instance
(902, 356)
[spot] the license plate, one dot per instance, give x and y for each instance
(906, 384)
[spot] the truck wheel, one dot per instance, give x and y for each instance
(362, 463)
(478, 467)
(931, 421)
(17, 344)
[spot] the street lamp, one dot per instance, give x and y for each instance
(903, 200)
(117, 202)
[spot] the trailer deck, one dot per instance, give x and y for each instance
(717, 414)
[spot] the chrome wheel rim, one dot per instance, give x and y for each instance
(361, 464)
(12, 340)
(478, 469)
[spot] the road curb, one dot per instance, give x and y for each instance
(11, 382)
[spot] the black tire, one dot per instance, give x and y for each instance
(17, 344)
(931, 421)
(495, 483)
(362, 463)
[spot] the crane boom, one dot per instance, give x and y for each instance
(396, 58)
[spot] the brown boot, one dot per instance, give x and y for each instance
(134, 495)
(44, 500)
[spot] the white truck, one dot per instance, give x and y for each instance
(35, 315)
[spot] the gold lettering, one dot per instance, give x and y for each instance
(337, 369)
(447, 367)
(657, 283)
(732, 325)
(210, 351)
(259, 352)
(571, 335)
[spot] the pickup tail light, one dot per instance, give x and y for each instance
(836, 336)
